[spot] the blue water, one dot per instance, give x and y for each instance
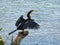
(47, 16)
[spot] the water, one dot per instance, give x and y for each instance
(47, 16)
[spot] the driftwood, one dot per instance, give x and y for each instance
(20, 36)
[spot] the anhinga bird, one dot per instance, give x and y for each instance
(28, 23)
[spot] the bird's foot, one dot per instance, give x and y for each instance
(24, 32)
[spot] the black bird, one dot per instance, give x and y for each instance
(28, 23)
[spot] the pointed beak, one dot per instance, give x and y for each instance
(35, 10)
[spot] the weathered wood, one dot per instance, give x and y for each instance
(20, 36)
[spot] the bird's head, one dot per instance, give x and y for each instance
(28, 14)
(32, 11)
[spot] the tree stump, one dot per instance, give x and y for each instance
(20, 36)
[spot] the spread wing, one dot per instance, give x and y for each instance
(20, 20)
(31, 25)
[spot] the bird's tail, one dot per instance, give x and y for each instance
(12, 32)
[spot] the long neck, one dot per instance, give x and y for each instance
(28, 15)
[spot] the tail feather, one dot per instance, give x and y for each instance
(11, 32)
